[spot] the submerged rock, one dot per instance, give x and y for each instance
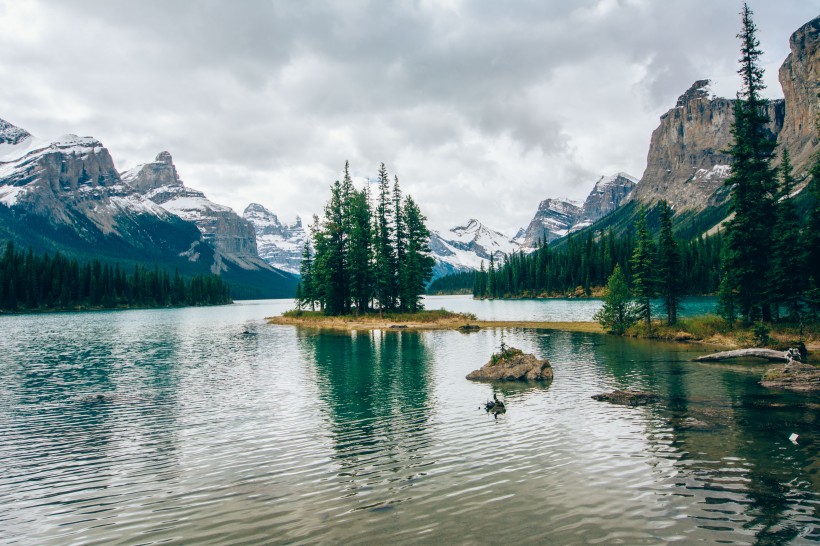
(513, 365)
(795, 376)
(627, 397)
(469, 328)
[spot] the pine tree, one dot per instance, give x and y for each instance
(752, 184)
(643, 279)
(668, 266)
(306, 295)
(383, 248)
(360, 262)
(417, 268)
(400, 236)
(788, 254)
(619, 311)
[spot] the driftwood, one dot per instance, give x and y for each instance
(768, 354)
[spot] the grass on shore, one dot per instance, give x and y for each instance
(423, 316)
(714, 330)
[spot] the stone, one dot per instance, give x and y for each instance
(514, 365)
(627, 397)
(795, 376)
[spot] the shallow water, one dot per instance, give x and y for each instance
(217, 428)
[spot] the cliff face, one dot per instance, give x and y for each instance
(800, 79)
(552, 220)
(233, 237)
(281, 245)
(686, 164)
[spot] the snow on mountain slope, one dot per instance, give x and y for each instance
(279, 244)
(465, 247)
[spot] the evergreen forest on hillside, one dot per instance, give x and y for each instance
(366, 257)
(30, 282)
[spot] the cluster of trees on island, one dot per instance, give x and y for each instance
(764, 266)
(366, 256)
(30, 282)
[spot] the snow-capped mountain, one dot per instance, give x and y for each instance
(556, 218)
(233, 237)
(281, 245)
(65, 195)
(464, 247)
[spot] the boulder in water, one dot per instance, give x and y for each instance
(627, 397)
(513, 365)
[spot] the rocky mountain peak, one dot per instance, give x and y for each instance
(279, 244)
(164, 157)
(11, 134)
(699, 90)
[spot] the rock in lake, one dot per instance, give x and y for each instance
(628, 398)
(513, 365)
(795, 376)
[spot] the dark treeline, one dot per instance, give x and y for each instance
(455, 283)
(366, 255)
(585, 261)
(29, 282)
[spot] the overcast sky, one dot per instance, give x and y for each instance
(482, 108)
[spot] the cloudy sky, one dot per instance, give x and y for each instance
(482, 108)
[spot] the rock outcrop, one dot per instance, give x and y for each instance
(233, 237)
(513, 365)
(800, 79)
(795, 376)
(553, 220)
(279, 244)
(687, 164)
(69, 188)
(627, 397)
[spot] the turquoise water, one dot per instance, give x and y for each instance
(215, 427)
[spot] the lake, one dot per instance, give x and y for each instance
(214, 427)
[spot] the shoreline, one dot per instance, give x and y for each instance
(350, 324)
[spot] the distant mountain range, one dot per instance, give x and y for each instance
(65, 195)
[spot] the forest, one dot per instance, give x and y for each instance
(366, 257)
(30, 282)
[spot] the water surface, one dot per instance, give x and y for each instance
(217, 428)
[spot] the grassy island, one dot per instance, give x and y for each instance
(421, 320)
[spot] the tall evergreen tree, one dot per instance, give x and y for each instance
(360, 262)
(643, 275)
(788, 254)
(669, 266)
(417, 266)
(306, 295)
(752, 184)
(400, 236)
(383, 248)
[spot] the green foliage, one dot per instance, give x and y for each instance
(463, 282)
(29, 282)
(761, 334)
(788, 254)
(752, 183)
(363, 258)
(669, 265)
(619, 311)
(643, 274)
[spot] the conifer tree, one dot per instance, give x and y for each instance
(306, 295)
(788, 254)
(383, 248)
(417, 266)
(752, 184)
(643, 278)
(619, 311)
(400, 236)
(668, 266)
(491, 288)
(360, 260)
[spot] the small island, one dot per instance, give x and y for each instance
(511, 364)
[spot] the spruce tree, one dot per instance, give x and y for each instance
(752, 184)
(417, 267)
(383, 248)
(643, 278)
(619, 311)
(788, 254)
(400, 241)
(306, 295)
(669, 266)
(360, 262)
